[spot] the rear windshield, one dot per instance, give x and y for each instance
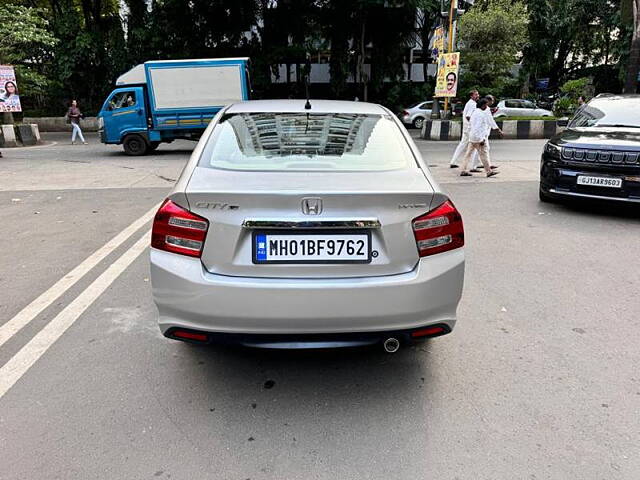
(308, 142)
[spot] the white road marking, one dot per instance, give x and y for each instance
(22, 361)
(45, 144)
(28, 313)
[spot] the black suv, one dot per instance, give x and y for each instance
(598, 155)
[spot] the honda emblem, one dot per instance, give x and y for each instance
(312, 206)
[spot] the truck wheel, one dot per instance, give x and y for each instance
(153, 146)
(135, 145)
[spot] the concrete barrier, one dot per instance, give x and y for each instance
(8, 136)
(512, 129)
(36, 131)
(19, 135)
(58, 124)
(25, 135)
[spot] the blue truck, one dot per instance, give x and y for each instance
(159, 101)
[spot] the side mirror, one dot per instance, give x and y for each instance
(563, 122)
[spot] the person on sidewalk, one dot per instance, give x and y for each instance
(469, 108)
(74, 114)
(475, 163)
(479, 129)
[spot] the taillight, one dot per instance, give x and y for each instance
(439, 230)
(178, 230)
(429, 332)
(405, 113)
(198, 337)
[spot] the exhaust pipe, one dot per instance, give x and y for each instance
(391, 345)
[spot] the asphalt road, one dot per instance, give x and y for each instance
(540, 379)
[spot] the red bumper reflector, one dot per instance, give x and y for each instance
(426, 332)
(201, 337)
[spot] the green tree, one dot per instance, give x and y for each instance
(91, 52)
(373, 32)
(573, 89)
(491, 37)
(567, 36)
(25, 41)
(138, 18)
(428, 13)
(633, 65)
(337, 24)
(388, 36)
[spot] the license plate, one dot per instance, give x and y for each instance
(600, 181)
(311, 247)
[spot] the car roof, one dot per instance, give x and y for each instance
(297, 106)
(608, 97)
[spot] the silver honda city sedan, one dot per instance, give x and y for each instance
(298, 225)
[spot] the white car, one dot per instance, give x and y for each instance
(515, 107)
(416, 115)
(295, 227)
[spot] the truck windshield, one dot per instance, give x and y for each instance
(299, 141)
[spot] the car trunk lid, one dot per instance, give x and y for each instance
(239, 204)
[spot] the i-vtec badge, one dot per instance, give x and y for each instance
(217, 206)
(412, 205)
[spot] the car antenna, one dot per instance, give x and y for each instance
(307, 106)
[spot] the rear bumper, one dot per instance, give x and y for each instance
(406, 119)
(293, 341)
(189, 297)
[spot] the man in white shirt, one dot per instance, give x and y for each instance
(475, 163)
(469, 108)
(479, 129)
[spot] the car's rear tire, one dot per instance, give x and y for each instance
(418, 122)
(135, 145)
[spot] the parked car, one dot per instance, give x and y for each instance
(514, 107)
(294, 227)
(598, 156)
(457, 109)
(415, 115)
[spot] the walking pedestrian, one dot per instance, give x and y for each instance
(479, 129)
(469, 108)
(74, 115)
(475, 163)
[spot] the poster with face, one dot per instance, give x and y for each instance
(447, 79)
(9, 94)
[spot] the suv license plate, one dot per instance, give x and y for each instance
(311, 247)
(600, 181)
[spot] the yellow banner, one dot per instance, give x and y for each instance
(447, 79)
(438, 43)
